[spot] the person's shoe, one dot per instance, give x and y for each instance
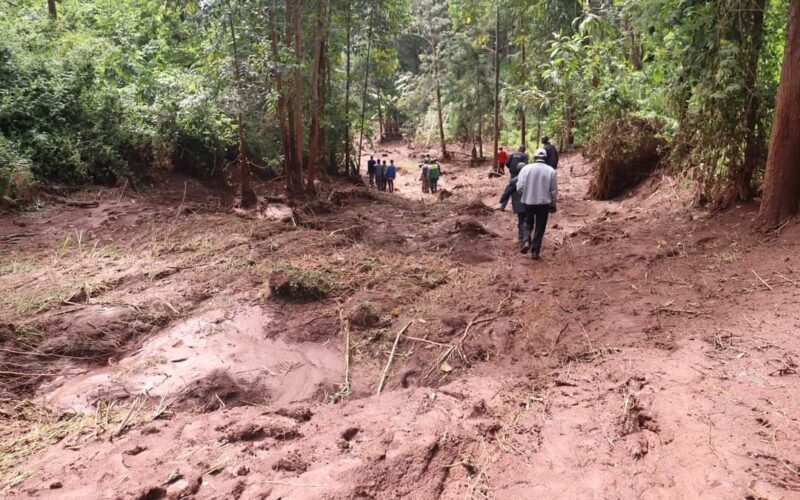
(535, 255)
(524, 249)
(501, 207)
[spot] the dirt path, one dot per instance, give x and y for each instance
(650, 354)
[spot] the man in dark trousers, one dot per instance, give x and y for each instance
(539, 187)
(371, 170)
(552, 152)
(516, 161)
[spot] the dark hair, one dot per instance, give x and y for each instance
(545, 139)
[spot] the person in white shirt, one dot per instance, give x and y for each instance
(539, 187)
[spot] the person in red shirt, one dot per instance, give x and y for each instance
(502, 158)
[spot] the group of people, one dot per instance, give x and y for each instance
(430, 171)
(381, 175)
(533, 191)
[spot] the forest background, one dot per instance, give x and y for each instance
(92, 91)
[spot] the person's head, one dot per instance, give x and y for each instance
(522, 148)
(384, 162)
(500, 149)
(540, 155)
(371, 157)
(391, 161)
(545, 139)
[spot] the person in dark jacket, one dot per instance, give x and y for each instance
(517, 207)
(552, 152)
(371, 170)
(390, 175)
(516, 161)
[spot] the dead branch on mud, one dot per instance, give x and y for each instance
(345, 326)
(762, 281)
(442, 359)
(558, 337)
(385, 373)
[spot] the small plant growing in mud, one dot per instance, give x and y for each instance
(293, 283)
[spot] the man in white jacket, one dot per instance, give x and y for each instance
(539, 187)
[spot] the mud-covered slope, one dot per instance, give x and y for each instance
(651, 353)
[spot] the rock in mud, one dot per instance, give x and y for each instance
(296, 413)
(471, 227)
(292, 462)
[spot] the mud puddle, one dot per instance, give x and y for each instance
(227, 344)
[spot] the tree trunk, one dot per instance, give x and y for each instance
(347, 167)
(248, 195)
(298, 91)
(742, 175)
(782, 181)
(293, 140)
(51, 9)
(316, 98)
(570, 119)
(282, 111)
(442, 142)
(381, 128)
(636, 52)
(496, 84)
(538, 133)
(364, 100)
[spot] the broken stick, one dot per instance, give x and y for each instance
(385, 373)
(346, 329)
(762, 281)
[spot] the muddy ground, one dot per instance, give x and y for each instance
(160, 345)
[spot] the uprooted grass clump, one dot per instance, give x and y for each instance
(364, 315)
(625, 151)
(294, 283)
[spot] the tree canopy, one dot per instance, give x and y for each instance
(90, 91)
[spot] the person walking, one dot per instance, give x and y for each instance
(371, 170)
(552, 152)
(426, 183)
(538, 186)
(390, 175)
(379, 174)
(512, 193)
(516, 161)
(502, 158)
(434, 171)
(383, 181)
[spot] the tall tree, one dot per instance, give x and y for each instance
(349, 48)
(248, 195)
(51, 9)
(782, 183)
(496, 84)
(317, 103)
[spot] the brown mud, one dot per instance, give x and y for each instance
(651, 353)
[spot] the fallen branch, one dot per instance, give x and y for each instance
(762, 281)
(555, 340)
(385, 373)
(346, 329)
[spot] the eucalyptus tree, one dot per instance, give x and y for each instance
(782, 183)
